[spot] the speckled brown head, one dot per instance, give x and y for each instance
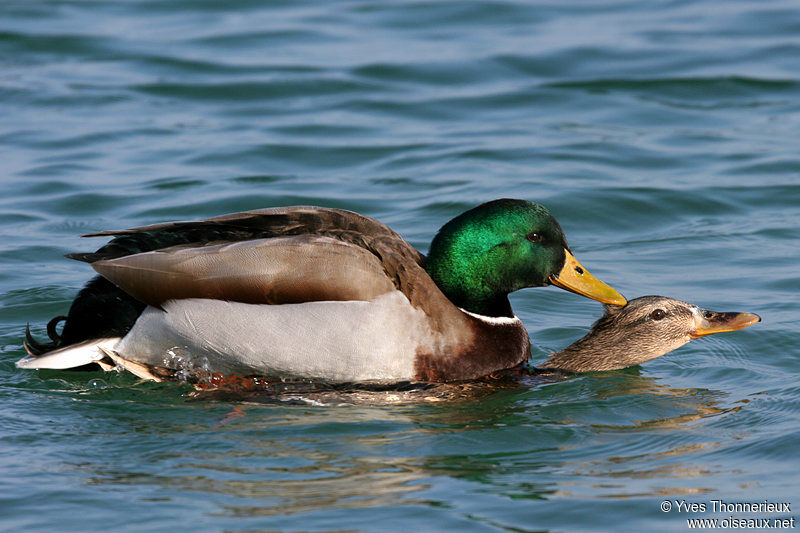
(645, 328)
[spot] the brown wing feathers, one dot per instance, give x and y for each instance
(287, 269)
(292, 254)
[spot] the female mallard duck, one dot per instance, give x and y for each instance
(645, 328)
(312, 292)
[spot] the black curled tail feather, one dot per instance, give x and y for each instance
(34, 347)
(51, 328)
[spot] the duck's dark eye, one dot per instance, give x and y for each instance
(708, 314)
(534, 237)
(658, 314)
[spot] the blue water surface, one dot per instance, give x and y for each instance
(663, 136)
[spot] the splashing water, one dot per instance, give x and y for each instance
(186, 367)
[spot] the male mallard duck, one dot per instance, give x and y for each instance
(646, 328)
(312, 292)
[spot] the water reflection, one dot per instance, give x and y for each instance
(263, 456)
(327, 482)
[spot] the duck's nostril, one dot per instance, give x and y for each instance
(579, 270)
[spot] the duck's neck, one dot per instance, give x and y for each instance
(465, 286)
(499, 307)
(608, 347)
(584, 355)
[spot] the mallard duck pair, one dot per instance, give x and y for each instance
(311, 292)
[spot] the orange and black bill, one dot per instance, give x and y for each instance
(575, 278)
(709, 322)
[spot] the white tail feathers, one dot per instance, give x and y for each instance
(72, 356)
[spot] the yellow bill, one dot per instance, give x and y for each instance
(575, 278)
(708, 322)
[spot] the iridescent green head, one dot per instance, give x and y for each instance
(502, 246)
